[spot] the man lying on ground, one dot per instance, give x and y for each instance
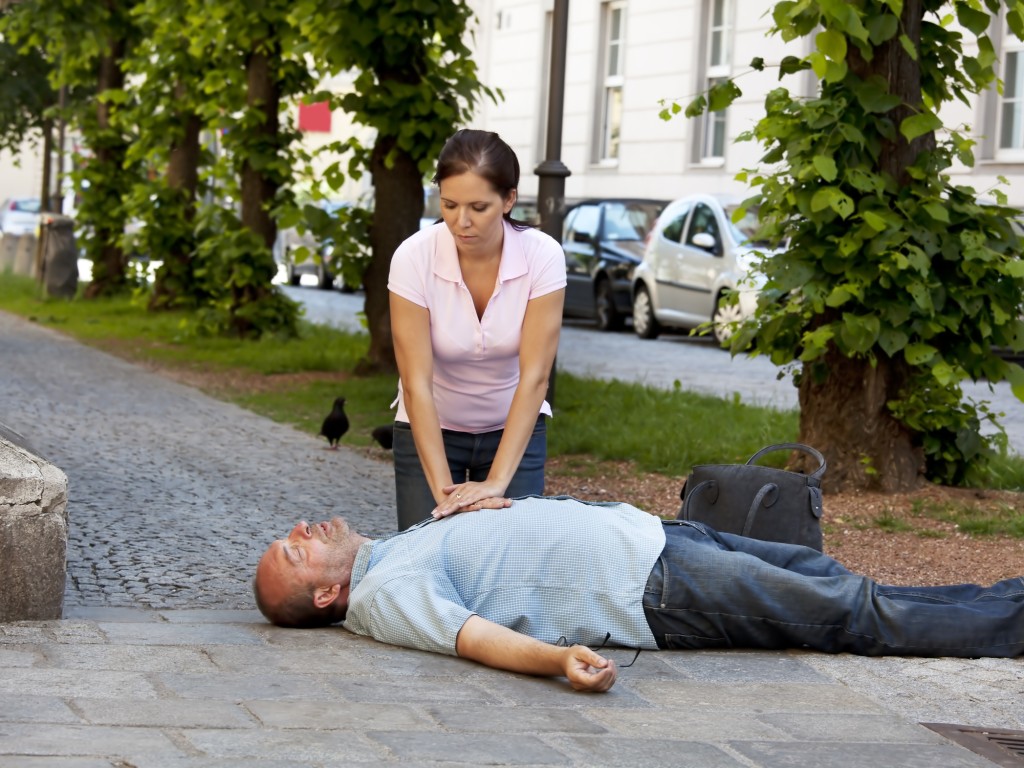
(510, 587)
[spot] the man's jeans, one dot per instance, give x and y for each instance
(717, 590)
(469, 458)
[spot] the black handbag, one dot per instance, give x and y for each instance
(760, 502)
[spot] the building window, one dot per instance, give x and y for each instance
(613, 51)
(715, 67)
(1011, 105)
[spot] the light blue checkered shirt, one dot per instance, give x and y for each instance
(548, 567)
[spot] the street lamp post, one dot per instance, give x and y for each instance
(552, 171)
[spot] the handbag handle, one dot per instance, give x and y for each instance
(767, 495)
(816, 474)
(762, 497)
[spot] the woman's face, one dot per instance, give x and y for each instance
(472, 210)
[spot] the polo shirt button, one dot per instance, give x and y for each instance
(662, 605)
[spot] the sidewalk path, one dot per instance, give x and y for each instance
(161, 660)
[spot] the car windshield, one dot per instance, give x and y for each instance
(745, 230)
(629, 221)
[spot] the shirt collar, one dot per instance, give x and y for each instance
(513, 257)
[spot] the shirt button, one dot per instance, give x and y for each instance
(662, 605)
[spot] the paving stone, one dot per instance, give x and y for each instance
(22, 655)
(475, 749)
(310, 746)
(239, 686)
(338, 715)
(107, 614)
(744, 666)
(164, 713)
(851, 727)
(758, 697)
(645, 753)
(31, 708)
(512, 719)
(66, 683)
(180, 634)
(682, 721)
(51, 761)
(556, 692)
(128, 658)
(412, 690)
(85, 741)
(863, 755)
(274, 660)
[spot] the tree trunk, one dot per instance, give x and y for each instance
(397, 208)
(843, 409)
(109, 270)
(843, 414)
(174, 280)
(258, 190)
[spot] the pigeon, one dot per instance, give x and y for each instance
(384, 435)
(336, 423)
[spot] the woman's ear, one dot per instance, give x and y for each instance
(510, 200)
(324, 596)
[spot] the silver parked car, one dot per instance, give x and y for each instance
(19, 216)
(694, 256)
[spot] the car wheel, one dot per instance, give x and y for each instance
(645, 324)
(608, 319)
(724, 316)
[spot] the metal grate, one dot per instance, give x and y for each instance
(1001, 746)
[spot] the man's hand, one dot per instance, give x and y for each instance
(502, 648)
(589, 671)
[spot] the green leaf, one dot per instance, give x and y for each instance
(721, 95)
(882, 27)
(832, 44)
(1015, 20)
(859, 332)
(826, 167)
(919, 353)
(919, 125)
(696, 107)
(892, 341)
(874, 221)
(975, 20)
(839, 296)
(873, 95)
(792, 64)
(937, 211)
(757, 63)
(909, 47)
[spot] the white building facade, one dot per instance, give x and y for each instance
(625, 59)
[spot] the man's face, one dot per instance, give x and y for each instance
(313, 556)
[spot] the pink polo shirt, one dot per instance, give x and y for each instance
(476, 361)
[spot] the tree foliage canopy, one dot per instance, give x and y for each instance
(886, 261)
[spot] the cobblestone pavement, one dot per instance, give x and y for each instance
(162, 662)
(170, 489)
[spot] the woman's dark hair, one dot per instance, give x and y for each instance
(485, 154)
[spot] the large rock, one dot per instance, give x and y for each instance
(33, 532)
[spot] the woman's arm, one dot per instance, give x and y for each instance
(537, 347)
(410, 328)
(501, 648)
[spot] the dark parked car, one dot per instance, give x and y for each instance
(603, 242)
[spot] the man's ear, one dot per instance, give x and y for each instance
(324, 596)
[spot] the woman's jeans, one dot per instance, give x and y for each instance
(717, 590)
(469, 458)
